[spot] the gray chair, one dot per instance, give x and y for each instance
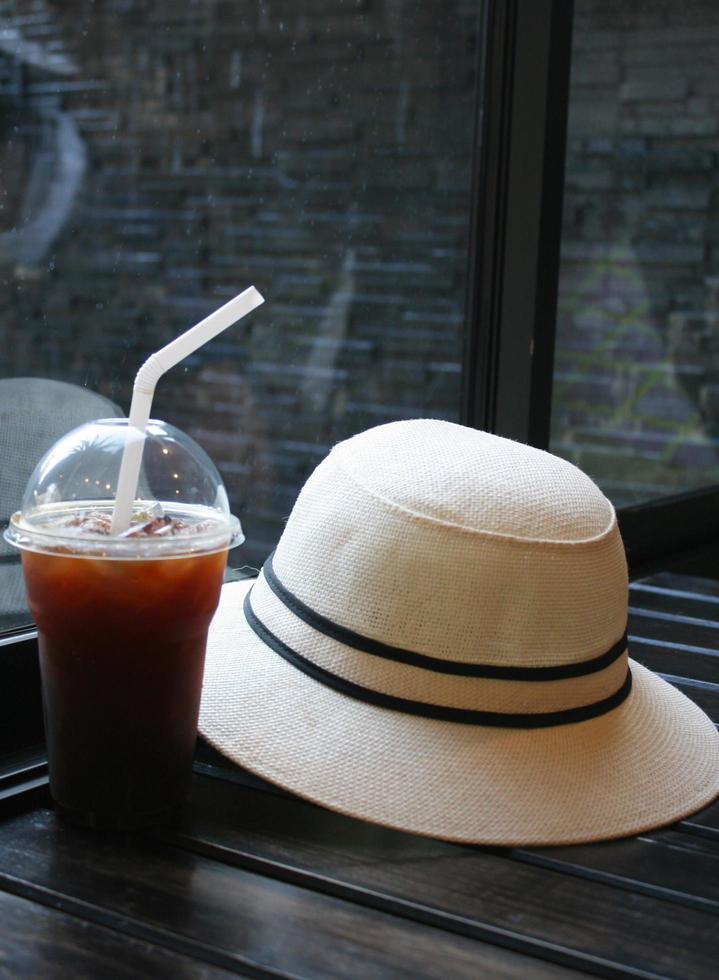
(34, 413)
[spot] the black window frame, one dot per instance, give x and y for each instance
(523, 60)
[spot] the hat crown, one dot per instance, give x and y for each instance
(460, 545)
(475, 480)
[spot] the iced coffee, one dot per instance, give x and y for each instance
(122, 619)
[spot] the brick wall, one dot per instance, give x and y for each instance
(638, 348)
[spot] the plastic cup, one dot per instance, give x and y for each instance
(122, 620)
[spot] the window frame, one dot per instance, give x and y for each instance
(517, 220)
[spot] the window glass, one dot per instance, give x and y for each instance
(158, 157)
(636, 382)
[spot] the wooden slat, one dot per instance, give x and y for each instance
(664, 657)
(664, 863)
(40, 942)
(241, 920)
(708, 818)
(683, 649)
(683, 583)
(660, 612)
(655, 625)
(682, 602)
(591, 922)
(23, 780)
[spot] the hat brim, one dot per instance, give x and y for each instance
(649, 762)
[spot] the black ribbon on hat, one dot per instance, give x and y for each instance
(347, 636)
(424, 709)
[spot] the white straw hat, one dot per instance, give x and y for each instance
(438, 644)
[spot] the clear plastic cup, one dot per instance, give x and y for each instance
(122, 620)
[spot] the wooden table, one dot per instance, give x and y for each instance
(257, 883)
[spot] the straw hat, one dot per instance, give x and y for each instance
(438, 644)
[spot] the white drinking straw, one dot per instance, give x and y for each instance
(144, 389)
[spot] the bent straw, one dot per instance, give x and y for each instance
(144, 390)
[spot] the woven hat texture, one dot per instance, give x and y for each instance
(438, 645)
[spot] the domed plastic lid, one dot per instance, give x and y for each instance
(181, 505)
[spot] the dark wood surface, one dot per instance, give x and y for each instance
(255, 882)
